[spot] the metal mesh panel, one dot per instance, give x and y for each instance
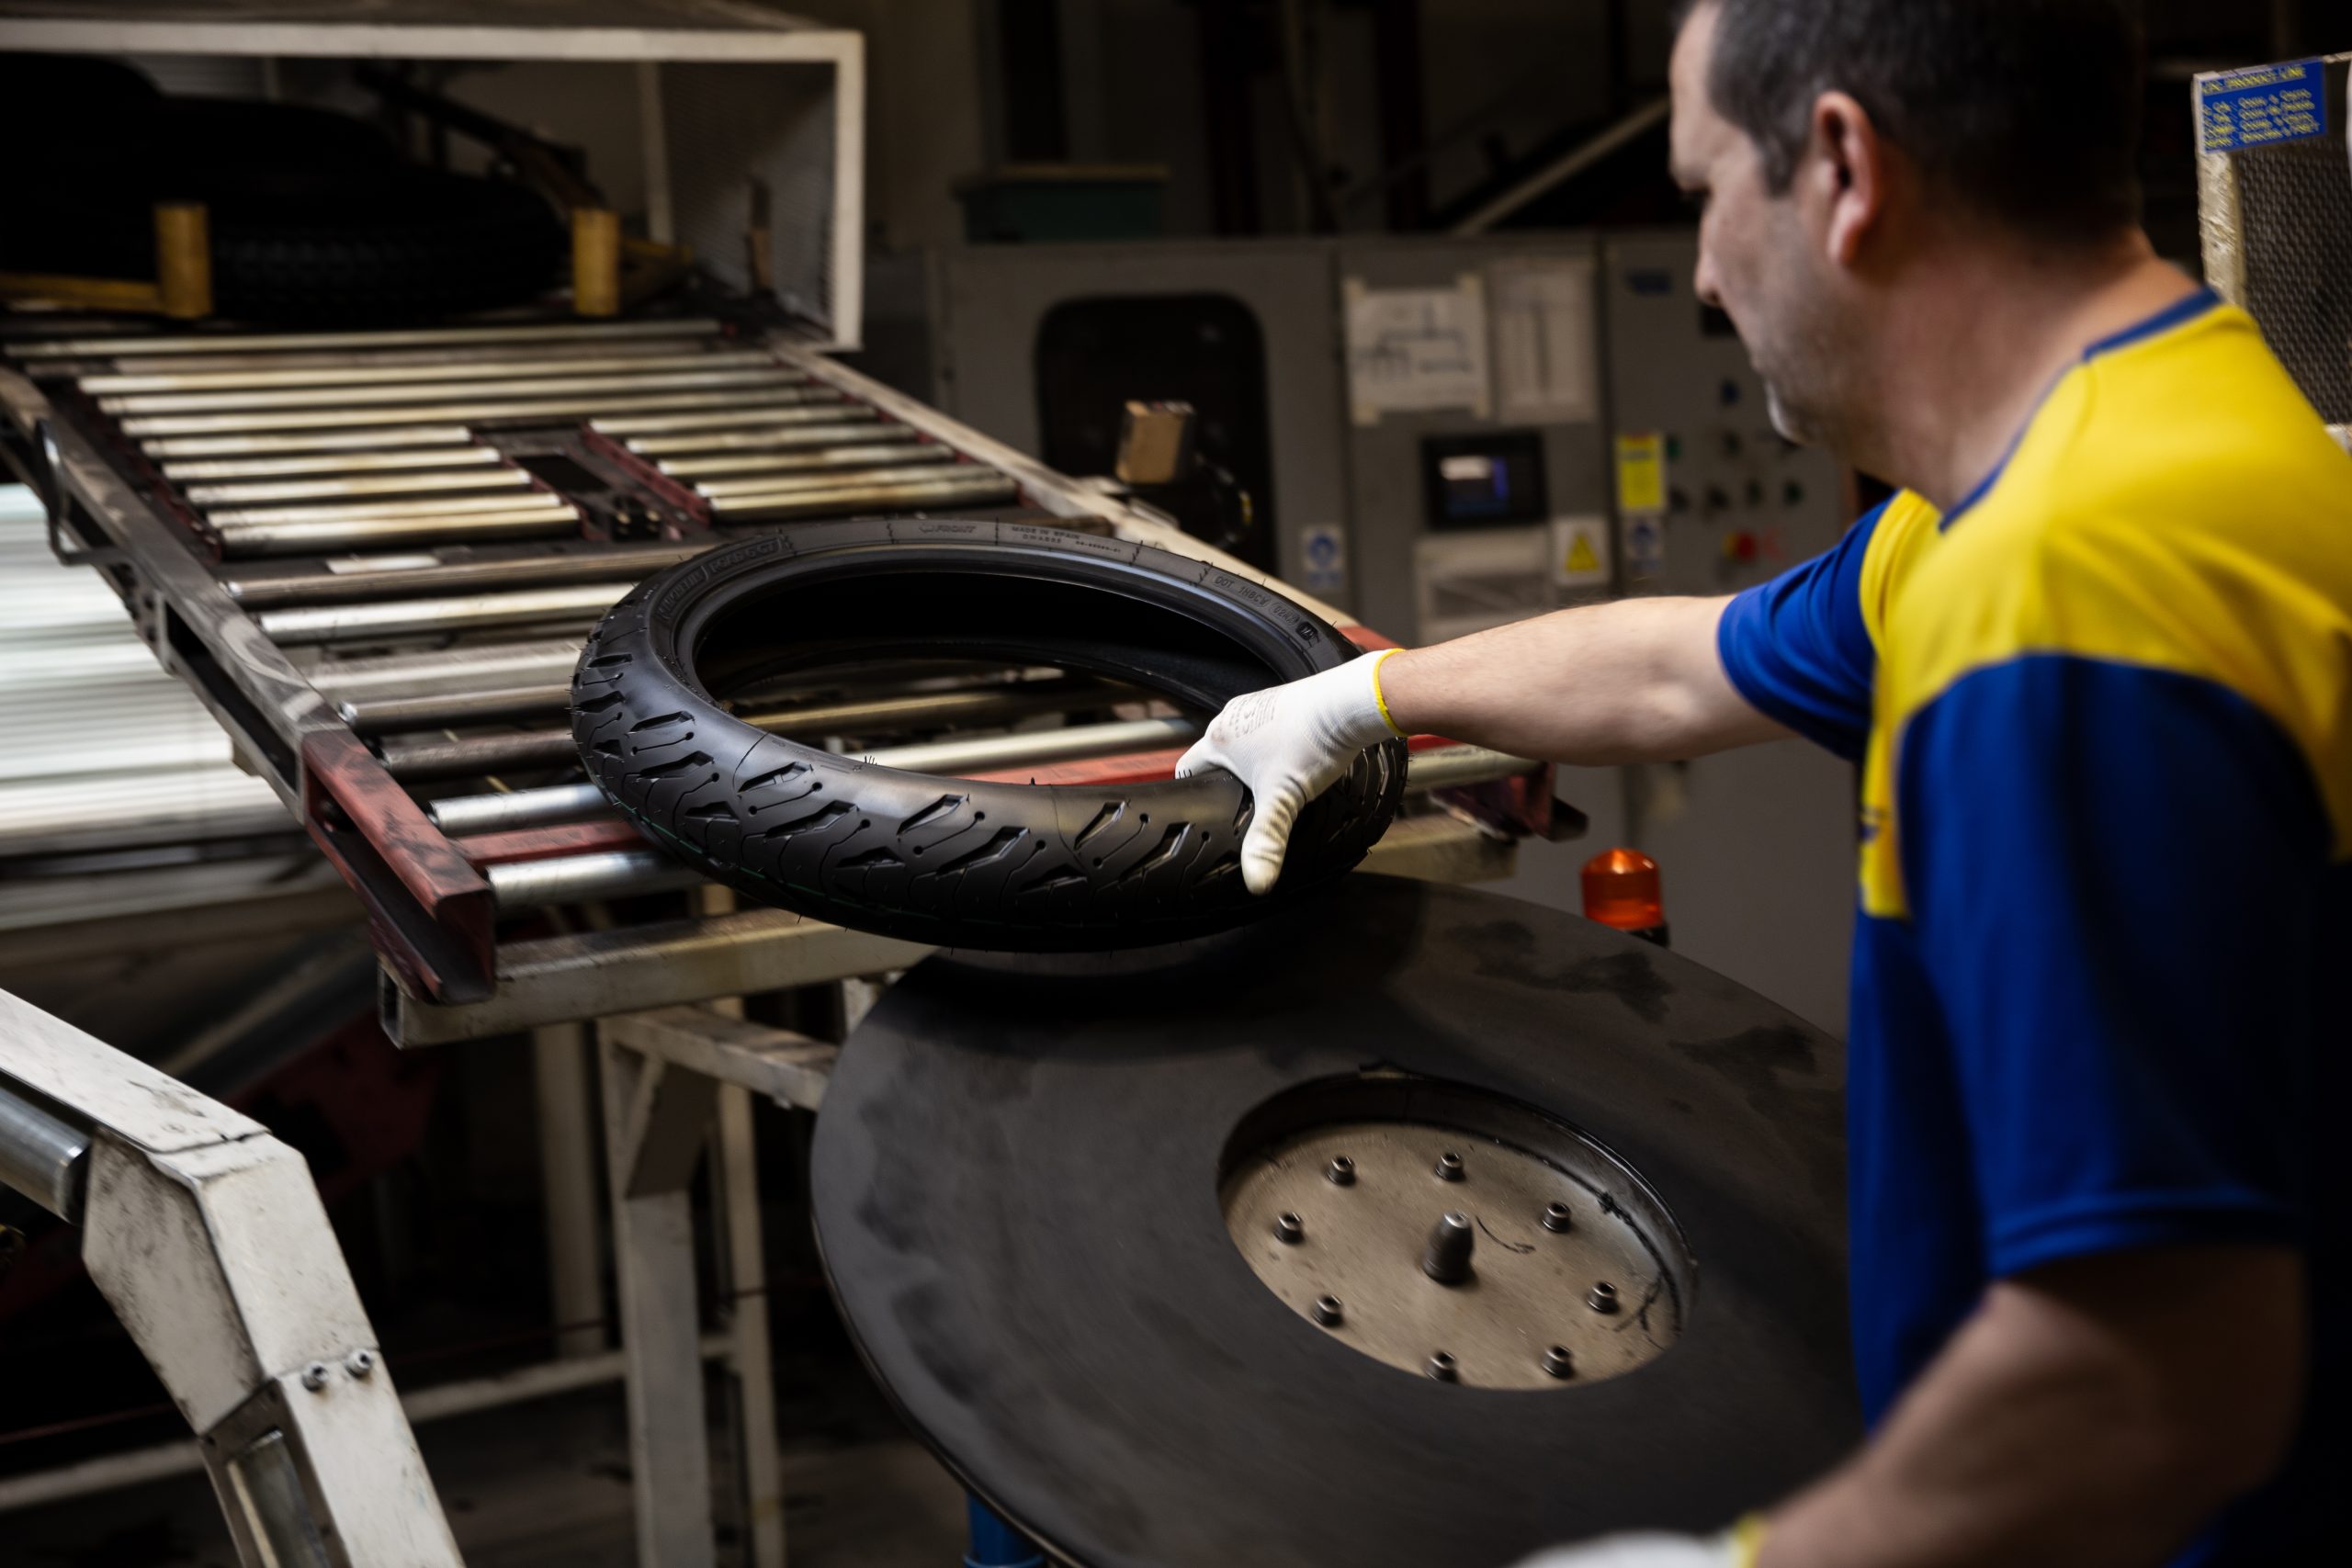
(2279, 227)
(727, 125)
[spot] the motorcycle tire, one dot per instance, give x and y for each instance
(949, 861)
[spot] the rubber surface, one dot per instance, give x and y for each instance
(955, 863)
(1016, 1191)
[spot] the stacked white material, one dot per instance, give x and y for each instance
(102, 749)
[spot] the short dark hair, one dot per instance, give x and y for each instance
(2026, 111)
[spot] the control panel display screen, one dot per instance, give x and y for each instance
(1478, 481)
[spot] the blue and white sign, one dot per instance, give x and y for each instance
(1325, 553)
(2261, 105)
(1645, 546)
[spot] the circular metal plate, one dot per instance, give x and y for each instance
(1570, 1270)
(1019, 1184)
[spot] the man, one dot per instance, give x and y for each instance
(2096, 665)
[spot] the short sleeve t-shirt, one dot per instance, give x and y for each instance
(2102, 989)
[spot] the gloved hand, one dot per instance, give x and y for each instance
(1288, 744)
(1734, 1549)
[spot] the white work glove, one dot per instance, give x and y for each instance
(1734, 1549)
(1288, 745)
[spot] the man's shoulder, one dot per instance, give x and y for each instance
(2196, 520)
(2199, 437)
(2183, 480)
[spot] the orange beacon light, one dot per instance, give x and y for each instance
(1621, 891)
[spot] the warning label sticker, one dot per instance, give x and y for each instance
(2261, 105)
(1580, 552)
(1641, 473)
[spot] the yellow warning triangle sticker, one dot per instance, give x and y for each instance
(1581, 557)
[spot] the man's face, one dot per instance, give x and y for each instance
(1757, 258)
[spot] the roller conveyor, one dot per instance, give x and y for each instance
(330, 463)
(374, 556)
(479, 404)
(289, 537)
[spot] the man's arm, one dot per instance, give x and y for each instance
(1628, 681)
(1637, 681)
(2094, 1413)
(2091, 1413)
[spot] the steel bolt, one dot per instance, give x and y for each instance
(359, 1363)
(1442, 1367)
(1449, 1167)
(1327, 1311)
(1603, 1298)
(1558, 1363)
(1289, 1230)
(314, 1376)
(1342, 1171)
(1557, 1218)
(1447, 1258)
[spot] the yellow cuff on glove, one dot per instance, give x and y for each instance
(1380, 698)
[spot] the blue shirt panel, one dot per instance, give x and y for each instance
(1799, 651)
(2116, 1019)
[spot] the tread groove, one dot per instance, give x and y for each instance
(1110, 814)
(946, 804)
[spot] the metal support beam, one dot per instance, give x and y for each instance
(653, 1263)
(42, 1155)
(664, 1124)
(207, 1237)
(596, 974)
(136, 1467)
(568, 1180)
(1566, 166)
(788, 1068)
(590, 975)
(744, 1277)
(669, 1078)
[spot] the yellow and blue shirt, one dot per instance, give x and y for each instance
(2102, 989)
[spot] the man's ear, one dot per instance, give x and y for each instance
(1847, 164)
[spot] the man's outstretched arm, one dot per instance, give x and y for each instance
(1635, 681)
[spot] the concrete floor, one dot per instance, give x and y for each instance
(545, 1486)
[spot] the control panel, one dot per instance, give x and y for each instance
(1710, 497)
(1757, 844)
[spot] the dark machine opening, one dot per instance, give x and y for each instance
(1094, 356)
